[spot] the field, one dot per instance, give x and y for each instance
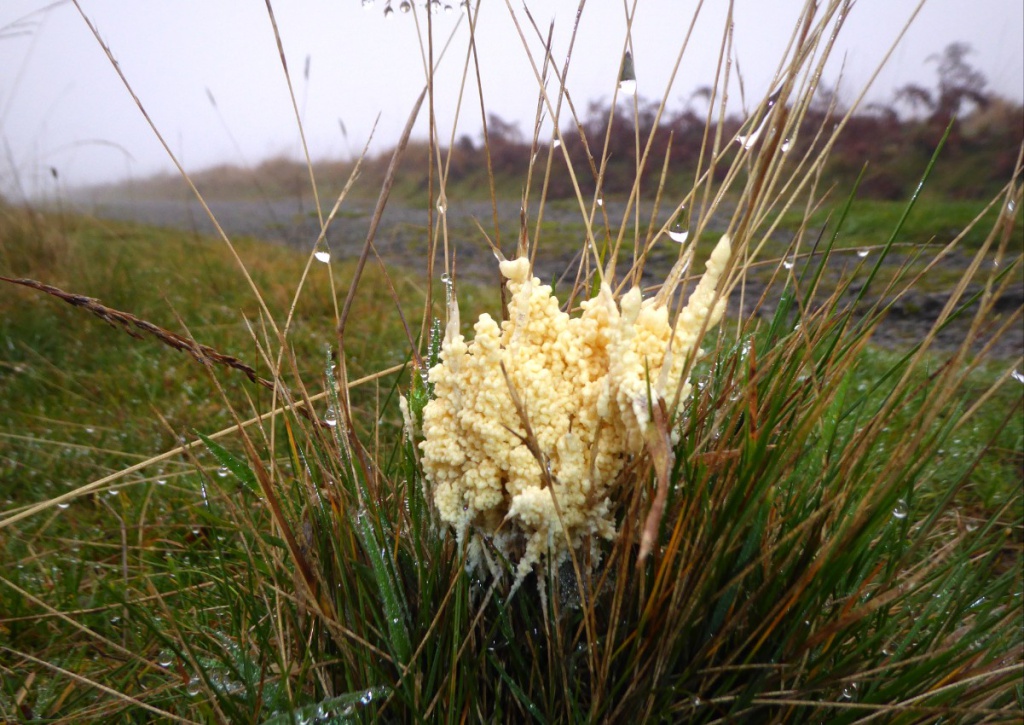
(253, 527)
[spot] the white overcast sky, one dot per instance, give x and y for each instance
(62, 105)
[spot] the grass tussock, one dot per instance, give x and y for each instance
(837, 529)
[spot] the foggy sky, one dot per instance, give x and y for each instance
(209, 74)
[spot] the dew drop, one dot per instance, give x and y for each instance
(223, 472)
(697, 702)
(367, 3)
(747, 141)
(627, 78)
(330, 419)
(1011, 206)
(367, 697)
(863, 253)
(193, 687)
(324, 257)
(788, 264)
(556, 143)
(900, 510)
(63, 505)
(1018, 376)
(113, 492)
(406, 6)
(165, 658)
(600, 201)
(786, 146)
(388, 12)
(442, 206)
(678, 234)
(161, 482)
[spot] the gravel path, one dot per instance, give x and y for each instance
(401, 241)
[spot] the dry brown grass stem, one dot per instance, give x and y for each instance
(139, 329)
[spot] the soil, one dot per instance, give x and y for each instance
(401, 240)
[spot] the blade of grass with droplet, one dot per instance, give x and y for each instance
(392, 597)
(341, 707)
(239, 468)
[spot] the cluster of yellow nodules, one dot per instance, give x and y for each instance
(585, 385)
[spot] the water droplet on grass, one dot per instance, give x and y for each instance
(406, 6)
(747, 141)
(1018, 376)
(627, 78)
(63, 505)
(900, 510)
(165, 658)
(321, 252)
(223, 472)
(786, 146)
(556, 143)
(193, 687)
(863, 253)
(788, 264)
(446, 280)
(388, 12)
(678, 234)
(600, 201)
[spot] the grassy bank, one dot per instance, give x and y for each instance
(601, 502)
(161, 563)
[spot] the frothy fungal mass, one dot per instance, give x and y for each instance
(586, 385)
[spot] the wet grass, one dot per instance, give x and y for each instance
(840, 539)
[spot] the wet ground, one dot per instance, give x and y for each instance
(401, 240)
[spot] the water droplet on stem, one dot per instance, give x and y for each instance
(627, 77)
(678, 233)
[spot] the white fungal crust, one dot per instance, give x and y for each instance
(592, 377)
